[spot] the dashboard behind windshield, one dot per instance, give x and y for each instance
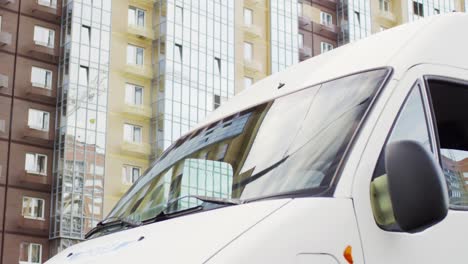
(293, 143)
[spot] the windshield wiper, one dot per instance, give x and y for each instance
(112, 222)
(208, 203)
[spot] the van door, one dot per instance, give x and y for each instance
(432, 110)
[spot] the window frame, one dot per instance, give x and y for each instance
(132, 100)
(134, 127)
(326, 45)
(135, 50)
(433, 122)
(251, 53)
(33, 126)
(48, 3)
(42, 218)
(47, 80)
(36, 159)
(326, 18)
(247, 16)
(50, 37)
(130, 168)
(136, 20)
(30, 246)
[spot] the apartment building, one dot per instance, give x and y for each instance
(29, 55)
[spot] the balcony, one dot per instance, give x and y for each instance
(139, 71)
(137, 112)
(42, 51)
(6, 2)
(3, 81)
(327, 3)
(144, 33)
(140, 150)
(40, 92)
(252, 67)
(5, 38)
(49, 12)
(144, 2)
(35, 180)
(387, 16)
(305, 53)
(328, 31)
(253, 32)
(37, 136)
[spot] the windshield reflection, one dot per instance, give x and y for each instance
(292, 143)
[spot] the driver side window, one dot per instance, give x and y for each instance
(411, 124)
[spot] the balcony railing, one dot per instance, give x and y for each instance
(387, 15)
(305, 52)
(140, 32)
(140, 150)
(5, 38)
(137, 111)
(3, 81)
(253, 66)
(6, 2)
(253, 31)
(328, 31)
(139, 71)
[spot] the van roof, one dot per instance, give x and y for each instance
(434, 40)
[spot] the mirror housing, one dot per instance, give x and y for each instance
(417, 186)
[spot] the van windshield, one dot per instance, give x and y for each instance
(292, 144)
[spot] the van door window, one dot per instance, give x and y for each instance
(449, 102)
(411, 124)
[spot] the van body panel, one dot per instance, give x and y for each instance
(303, 226)
(433, 245)
(187, 239)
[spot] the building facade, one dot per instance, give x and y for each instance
(80, 144)
(29, 55)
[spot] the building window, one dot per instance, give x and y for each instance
(248, 51)
(384, 5)
(178, 53)
(130, 174)
(179, 15)
(136, 16)
(301, 40)
(83, 76)
(0, 23)
(218, 64)
(300, 9)
(216, 101)
(44, 36)
(36, 163)
(357, 18)
(30, 253)
(133, 94)
(33, 208)
(326, 19)
(418, 9)
(248, 17)
(48, 3)
(135, 55)
(41, 78)
(325, 46)
(38, 119)
(132, 133)
(85, 35)
(247, 82)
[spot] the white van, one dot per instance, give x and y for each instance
(359, 155)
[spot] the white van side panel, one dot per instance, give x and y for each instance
(306, 226)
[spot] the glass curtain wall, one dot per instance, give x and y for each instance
(194, 65)
(354, 18)
(81, 124)
(421, 8)
(284, 34)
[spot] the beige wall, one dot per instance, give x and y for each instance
(258, 36)
(119, 153)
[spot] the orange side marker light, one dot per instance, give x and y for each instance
(348, 254)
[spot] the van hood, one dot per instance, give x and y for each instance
(187, 239)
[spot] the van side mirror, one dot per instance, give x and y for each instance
(417, 186)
